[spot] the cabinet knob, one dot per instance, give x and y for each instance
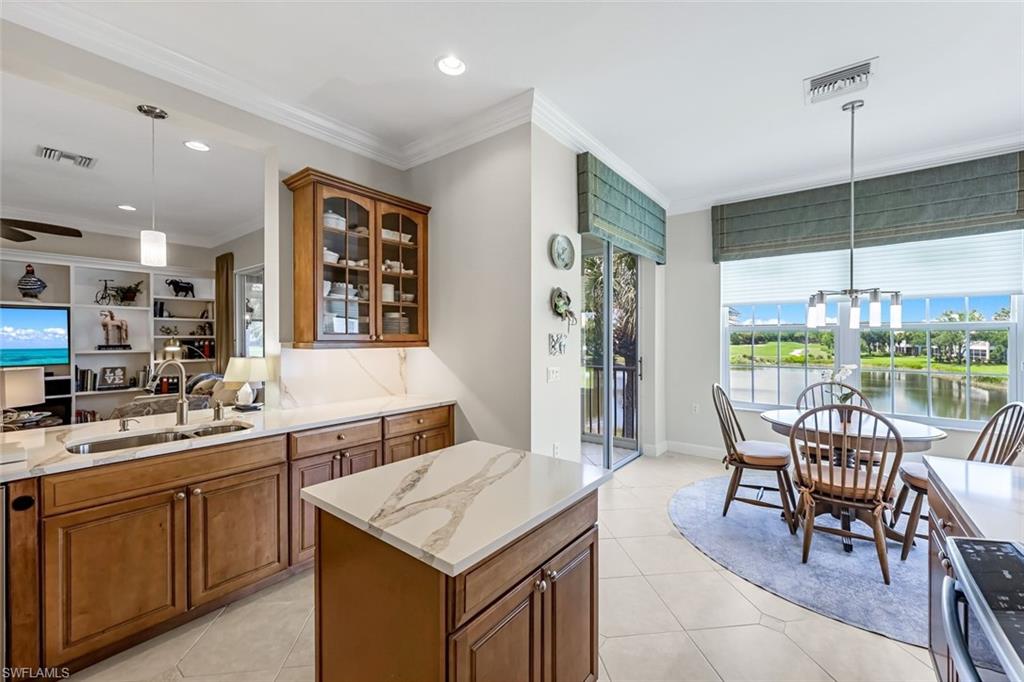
(337, 457)
(541, 585)
(941, 555)
(420, 420)
(197, 492)
(341, 436)
(947, 525)
(552, 575)
(947, 564)
(179, 496)
(415, 437)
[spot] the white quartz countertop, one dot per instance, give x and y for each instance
(35, 452)
(989, 496)
(451, 508)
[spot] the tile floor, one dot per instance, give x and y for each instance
(667, 613)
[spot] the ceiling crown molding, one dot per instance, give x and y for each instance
(68, 23)
(992, 146)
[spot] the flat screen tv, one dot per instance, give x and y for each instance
(34, 335)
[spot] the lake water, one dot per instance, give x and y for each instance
(899, 392)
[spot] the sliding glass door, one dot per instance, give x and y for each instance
(611, 360)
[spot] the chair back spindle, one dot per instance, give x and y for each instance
(828, 393)
(732, 432)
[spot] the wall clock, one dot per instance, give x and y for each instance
(562, 252)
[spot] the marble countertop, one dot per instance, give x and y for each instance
(988, 496)
(35, 452)
(452, 508)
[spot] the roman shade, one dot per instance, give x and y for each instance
(970, 197)
(611, 208)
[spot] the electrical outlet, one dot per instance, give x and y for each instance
(554, 449)
(554, 374)
(695, 408)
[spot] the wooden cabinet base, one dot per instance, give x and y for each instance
(382, 614)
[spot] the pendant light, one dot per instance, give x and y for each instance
(817, 302)
(152, 242)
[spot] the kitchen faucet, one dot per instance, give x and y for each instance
(182, 407)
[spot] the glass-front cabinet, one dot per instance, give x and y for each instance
(359, 264)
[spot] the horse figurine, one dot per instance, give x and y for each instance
(182, 287)
(111, 323)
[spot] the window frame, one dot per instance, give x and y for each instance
(847, 351)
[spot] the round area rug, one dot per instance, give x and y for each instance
(754, 543)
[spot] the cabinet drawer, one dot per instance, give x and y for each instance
(86, 488)
(482, 584)
(314, 442)
(411, 422)
(947, 521)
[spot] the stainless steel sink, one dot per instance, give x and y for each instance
(140, 440)
(122, 442)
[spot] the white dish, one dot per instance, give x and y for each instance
(331, 256)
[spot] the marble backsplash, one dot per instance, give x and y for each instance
(315, 377)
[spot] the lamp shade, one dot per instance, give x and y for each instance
(244, 370)
(153, 247)
(20, 386)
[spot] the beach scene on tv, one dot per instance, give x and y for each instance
(33, 336)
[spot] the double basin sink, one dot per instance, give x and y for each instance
(125, 440)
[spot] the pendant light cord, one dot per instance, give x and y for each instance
(152, 158)
(853, 110)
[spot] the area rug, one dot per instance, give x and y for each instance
(755, 544)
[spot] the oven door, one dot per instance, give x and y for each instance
(973, 657)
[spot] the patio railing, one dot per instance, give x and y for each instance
(624, 413)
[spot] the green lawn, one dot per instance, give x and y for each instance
(792, 354)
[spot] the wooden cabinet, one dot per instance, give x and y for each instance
(570, 613)
(362, 458)
(359, 264)
(403, 447)
(111, 571)
(238, 531)
(505, 641)
(304, 473)
(417, 433)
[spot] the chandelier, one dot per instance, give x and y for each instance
(817, 302)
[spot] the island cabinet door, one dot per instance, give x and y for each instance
(570, 613)
(111, 571)
(306, 472)
(402, 447)
(435, 439)
(502, 644)
(238, 531)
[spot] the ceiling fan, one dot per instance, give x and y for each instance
(18, 230)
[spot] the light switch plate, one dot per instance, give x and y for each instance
(554, 374)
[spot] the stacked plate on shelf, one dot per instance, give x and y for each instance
(396, 323)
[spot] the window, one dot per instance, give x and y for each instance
(953, 358)
(249, 312)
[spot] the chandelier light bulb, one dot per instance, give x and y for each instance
(855, 312)
(896, 312)
(812, 314)
(875, 310)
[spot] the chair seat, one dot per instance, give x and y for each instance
(834, 487)
(914, 474)
(763, 453)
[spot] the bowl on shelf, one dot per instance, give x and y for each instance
(334, 221)
(392, 235)
(331, 256)
(407, 238)
(408, 298)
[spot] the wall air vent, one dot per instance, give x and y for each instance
(839, 82)
(54, 154)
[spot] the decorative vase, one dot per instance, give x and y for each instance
(244, 395)
(29, 285)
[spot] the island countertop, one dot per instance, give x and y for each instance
(989, 497)
(37, 452)
(452, 508)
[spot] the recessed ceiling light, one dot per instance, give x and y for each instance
(197, 146)
(126, 207)
(450, 65)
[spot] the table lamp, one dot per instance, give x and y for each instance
(21, 386)
(243, 371)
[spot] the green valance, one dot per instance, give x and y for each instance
(613, 209)
(970, 197)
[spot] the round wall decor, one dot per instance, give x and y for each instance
(562, 252)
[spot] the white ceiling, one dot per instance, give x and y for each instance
(703, 100)
(203, 199)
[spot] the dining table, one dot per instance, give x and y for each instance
(917, 437)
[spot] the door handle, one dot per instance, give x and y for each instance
(179, 496)
(541, 585)
(951, 598)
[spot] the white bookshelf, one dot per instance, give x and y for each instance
(73, 283)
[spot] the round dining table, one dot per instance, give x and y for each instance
(917, 437)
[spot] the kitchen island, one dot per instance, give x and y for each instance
(475, 562)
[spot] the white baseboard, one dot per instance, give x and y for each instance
(655, 450)
(694, 449)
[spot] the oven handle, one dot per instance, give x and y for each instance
(951, 598)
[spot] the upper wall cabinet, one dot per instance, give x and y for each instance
(359, 265)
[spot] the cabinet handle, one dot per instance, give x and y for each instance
(541, 585)
(337, 457)
(415, 437)
(420, 420)
(941, 555)
(947, 525)
(947, 564)
(197, 491)
(552, 575)
(341, 436)
(179, 496)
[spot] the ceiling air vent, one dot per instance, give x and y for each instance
(59, 155)
(839, 82)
